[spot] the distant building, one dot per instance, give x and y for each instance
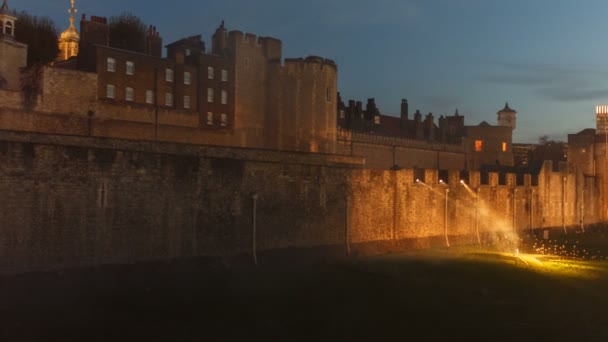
(13, 55)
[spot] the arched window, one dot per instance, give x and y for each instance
(9, 28)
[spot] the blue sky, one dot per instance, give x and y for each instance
(546, 57)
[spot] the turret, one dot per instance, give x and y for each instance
(7, 22)
(507, 117)
(404, 115)
(69, 39)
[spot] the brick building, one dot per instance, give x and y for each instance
(482, 144)
(13, 55)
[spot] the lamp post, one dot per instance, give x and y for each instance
(254, 197)
(564, 205)
(445, 219)
(477, 215)
(514, 210)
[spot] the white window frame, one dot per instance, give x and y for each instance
(129, 94)
(210, 95)
(149, 96)
(224, 75)
(169, 75)
(168, 99)
(111, 64)
(188, 52)
(224, 97)
(209, 118)
(187, 78)
(224, 120)
(110, 91)
(210, 73)
(187, 101)
(130, 68)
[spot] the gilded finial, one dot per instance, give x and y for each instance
(72, 11)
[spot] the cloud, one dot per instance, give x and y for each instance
(556, 82)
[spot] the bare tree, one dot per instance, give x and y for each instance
(128, 32)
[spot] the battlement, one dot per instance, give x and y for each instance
(311, 61)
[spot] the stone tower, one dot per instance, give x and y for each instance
(68, 41)
(507, 117)
(13, 55)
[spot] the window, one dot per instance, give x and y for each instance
(188, 52)
(9, 28)
(110, 91)
(111, 64)
(209, 118)
(342, 115)
(478, 145)
(328, 94)
(187, 78)
(149, 97)
(225, 75)
(130, 68)
(169, 75)
(377, 119)
(224, 97)
(210, 95)
(504, 146)
(168, 99)
(129, 94)
(224, 120)
(186, 101)
(246, 62)
(210, 73)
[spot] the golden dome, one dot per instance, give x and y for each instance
(70, 34)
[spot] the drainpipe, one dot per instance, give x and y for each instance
(254, 197)
(445, 219)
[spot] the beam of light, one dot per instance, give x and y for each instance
(469, 190)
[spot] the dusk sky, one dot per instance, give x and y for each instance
(546, 57)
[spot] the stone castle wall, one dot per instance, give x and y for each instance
(383, 152)
(77, 201)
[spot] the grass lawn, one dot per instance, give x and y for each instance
(460, 295)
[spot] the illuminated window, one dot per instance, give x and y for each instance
(187, 78)
(110, 91)
(169, 75)
(224, 97)
(210, 73)
(168, 99)
(210, 95)
(504, 146)
(149, 97)
(209, 118)
(130, 68)
(225, 75)
(186, 101)
(377, 119)
(111, 64)
(224, 120)
(129, 94)
(478, 145)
